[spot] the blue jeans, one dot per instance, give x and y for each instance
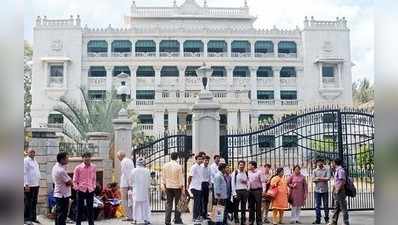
(319, 198)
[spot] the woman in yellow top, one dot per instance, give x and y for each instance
(279, 203)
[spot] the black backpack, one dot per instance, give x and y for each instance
(350, 189)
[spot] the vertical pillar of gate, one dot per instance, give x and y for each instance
(206, 125)
(122, 127)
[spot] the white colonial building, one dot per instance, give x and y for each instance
(257, 74)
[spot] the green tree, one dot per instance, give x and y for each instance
(325, 148)
(28, 53)
(365, 156)
(362, 91)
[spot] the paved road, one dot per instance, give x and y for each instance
(356, 218)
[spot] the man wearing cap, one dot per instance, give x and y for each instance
(140, 180)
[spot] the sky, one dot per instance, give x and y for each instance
(284, 14)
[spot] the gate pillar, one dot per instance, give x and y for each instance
(122, 127)
(206, 125)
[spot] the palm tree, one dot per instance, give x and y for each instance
(362, 91)
(89, 116)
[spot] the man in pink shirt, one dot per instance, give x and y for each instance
(84, 180)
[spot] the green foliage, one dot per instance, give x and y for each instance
(89, 116)
(362, 91)
(325, 148)
(365, 156)
(28, 52)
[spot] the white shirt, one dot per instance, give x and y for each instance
(126, 167)
(196, 181)
(206, 174)
(239, 184)
(214, 171)
(60, 177)
(31, 172)
(141, 183)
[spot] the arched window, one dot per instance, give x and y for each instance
(121, 69)
(287, 71)
(240, 46)
(193, 46)
(97, 46)
(169, 46)
(145, 71)
(219, 71)
(264, 47)
(169, 71)
(190, 71)
(97, 71)
(217, 46)
(287, 47)
(241, 71)
(265, 71)
(121, 46)
(145, 46)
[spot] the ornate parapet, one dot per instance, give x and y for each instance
(338, 24)
(58, 23)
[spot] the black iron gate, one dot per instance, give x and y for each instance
(299, 140)
(156, 154)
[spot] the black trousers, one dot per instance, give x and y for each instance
(197, 203)
(172, 195)
(31, 203)
(87, 197)
(205, 195)
(255, 206)
(61, 210)
(241, 198)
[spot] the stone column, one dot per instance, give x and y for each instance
(205, 42)
(232, 119)
(173, 126)
(276, 49)
(157, 48)
(158, 122)
(157, 69)
(102, 140)
(254, 122)
(206, 125)
(277, 85)
(46, 144)
(252, 47)
(109, 78)
(122, 127)
(230, 80)
(253, 83)
(181, 47)
(244, 119)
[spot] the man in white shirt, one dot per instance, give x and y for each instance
(195, 186)
(240, 191)
(62, 188)
(214, 171)
(126, 167)
(31, 186)
(206, 179)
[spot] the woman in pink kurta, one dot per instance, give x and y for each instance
(298, 193)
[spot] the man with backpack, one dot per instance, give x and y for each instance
(240, 192)
(339, 193)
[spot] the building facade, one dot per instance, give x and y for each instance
(258, 75)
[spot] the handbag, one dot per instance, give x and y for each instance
(217, 214)
(182, 205)
(272, 192)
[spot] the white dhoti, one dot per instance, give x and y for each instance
(141, 211)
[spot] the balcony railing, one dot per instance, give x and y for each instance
(145, 127)
(265, 81)
(241, 54)
(266, 102)
(169, 54)
(55, 82)
(193, 54)
(145, 81)
(288, 81)
(219, 94)
(264, 55)
(144, 102)
(145, 54)
(217, 54)
(121, 54)
(97, 82)
(241, 82)
(97, 54)
(287, 55)
(289, 102)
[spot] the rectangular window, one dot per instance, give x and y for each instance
(96, 94)
(55, 118)
(266, 141)
(56, 70)
(265, 95)
(327, 71)
(145, 119)
(288, 95)
(97, 71)
(145, 94)
(289, 141)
